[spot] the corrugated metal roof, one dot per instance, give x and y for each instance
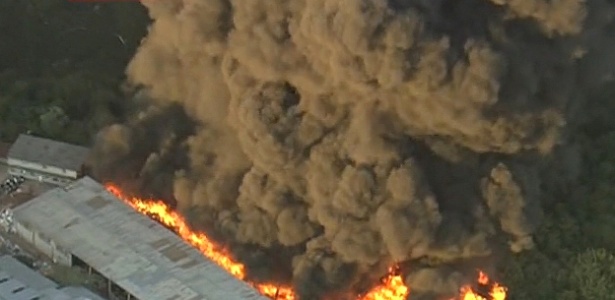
(48, 152)
(78, 293)
(18, 282)
(135, 252)
(13, 268)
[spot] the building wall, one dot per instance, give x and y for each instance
(40, 172)
(43, 244)
(40, 168)
(39, 176)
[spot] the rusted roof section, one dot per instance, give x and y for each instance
(137, 253)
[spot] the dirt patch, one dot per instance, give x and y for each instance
(27, 191)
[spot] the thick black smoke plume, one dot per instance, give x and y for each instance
(358, 133)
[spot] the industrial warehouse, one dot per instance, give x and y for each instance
(74, 221)
(82, 224)
(19, 282)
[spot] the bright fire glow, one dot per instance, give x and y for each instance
(494, 290)
(392, 286)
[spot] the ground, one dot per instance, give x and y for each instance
(28, 190)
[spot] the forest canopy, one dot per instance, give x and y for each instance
(62, 69)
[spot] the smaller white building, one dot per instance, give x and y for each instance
(46, 160)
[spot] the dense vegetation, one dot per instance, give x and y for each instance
(61, 72)
(61, 65)
(575, 253)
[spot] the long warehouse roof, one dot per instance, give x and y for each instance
(138, 254)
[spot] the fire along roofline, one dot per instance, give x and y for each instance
(84, 221)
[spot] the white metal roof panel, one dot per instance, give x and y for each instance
(79, 293)
(13, 268)
(48, 152)
(135, 252)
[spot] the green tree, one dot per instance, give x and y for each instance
(592, 275)
(61, 73)
(54, 121)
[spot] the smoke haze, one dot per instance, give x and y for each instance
(358, 133)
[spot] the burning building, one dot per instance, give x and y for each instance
(348, 136)
(84, 225)
(46, 160)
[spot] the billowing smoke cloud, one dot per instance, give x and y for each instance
(359, 133)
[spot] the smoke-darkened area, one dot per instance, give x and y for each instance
(345, 136)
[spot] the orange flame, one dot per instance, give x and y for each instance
(495, 291)
(164, 214)
(392, 286)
